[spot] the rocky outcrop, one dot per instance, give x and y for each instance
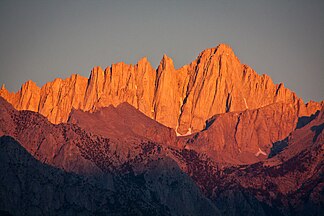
(244, 137)
(124, 123)
(55, 145)
(294, 176)
(183, 99)
(288, 183)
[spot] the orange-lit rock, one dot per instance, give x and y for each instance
(183, 99)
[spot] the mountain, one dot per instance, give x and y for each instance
(29, 187)
(244, 137)
(182, 99)
(124, 123)
(292, 179)
(287, 182)
(153, 178)
(138, 177)
(210, 138)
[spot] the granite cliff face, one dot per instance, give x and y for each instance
(182, 99)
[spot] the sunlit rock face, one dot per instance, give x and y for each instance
(182, 99)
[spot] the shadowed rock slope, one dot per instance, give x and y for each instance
(105, 175)
(244, 137)
(29, 187)
(124, 123)
(290, 182)
(152, 176)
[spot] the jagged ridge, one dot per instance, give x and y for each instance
(183, 99)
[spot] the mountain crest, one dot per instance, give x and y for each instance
(143, 61)
(166, 63)
(183, 99)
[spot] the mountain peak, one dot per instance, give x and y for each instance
(144, 63)
(143, 60)
(166, 63)
(166, 58)
(30, 83)
(221, 49)
(96, 70)
(224, 48)
(30, 86)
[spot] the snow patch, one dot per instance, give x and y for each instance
(260, 152)
(189, 132)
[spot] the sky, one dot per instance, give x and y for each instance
(41, 40)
